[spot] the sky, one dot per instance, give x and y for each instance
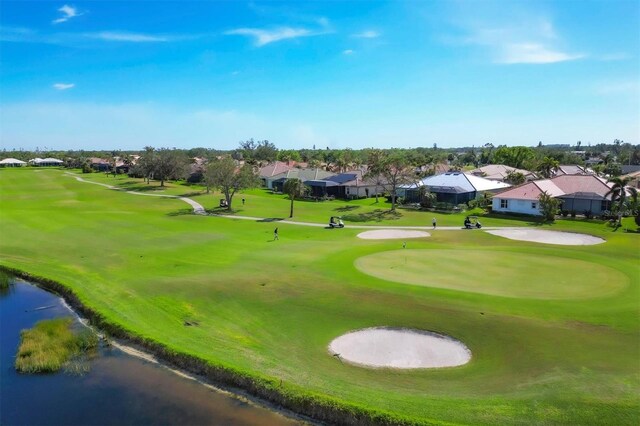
(338, 74)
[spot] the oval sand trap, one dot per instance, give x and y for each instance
(548, 237)
(391, 234)
(399, 348)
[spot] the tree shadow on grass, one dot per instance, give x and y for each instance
(270, 219)
(346, 208)
(192, 194)
(181, 212)
(132, 186)
(377, 215)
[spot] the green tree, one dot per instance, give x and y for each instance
(375, 166)
(619, 192)
(168, 164)
(514, 156)
(146, 162)
(228, 178)
(294, 188)
(547, 167)
(515, 178)
(395, 171)
(548, 206)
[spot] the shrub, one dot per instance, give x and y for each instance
(573, 213)
(588, 214)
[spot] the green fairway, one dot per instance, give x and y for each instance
(562, 347)
(500, 273)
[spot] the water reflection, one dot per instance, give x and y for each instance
(117, 390)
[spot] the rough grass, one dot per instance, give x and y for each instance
(268, 309)
(50, 344)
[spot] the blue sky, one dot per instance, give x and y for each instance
(122, 75)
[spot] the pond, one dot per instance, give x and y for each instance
(118, 389)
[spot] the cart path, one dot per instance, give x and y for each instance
(197, 207)
(200, 210)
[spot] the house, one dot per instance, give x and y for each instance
(500, 172)
(12, 162)
(635, 179)
(351, 184)
(579, 193)
(452, 187)
(277, 182)
(267, 173)
(46, 162)
(99, 164)
(566, 169)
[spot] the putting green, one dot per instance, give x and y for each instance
(497, 273)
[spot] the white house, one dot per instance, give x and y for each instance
(46, 162)
(453, 187)
(12, 162)
(578, 193)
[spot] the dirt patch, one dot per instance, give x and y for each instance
(390, 234)
(384, 347)
(548, 237)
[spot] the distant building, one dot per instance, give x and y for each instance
(500, 172)
(46, 162)
(12, 162)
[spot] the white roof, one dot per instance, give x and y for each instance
(12, 161)
(46, 160)
(465, 181)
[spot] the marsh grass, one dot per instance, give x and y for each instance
(50, 344)
(5, 282)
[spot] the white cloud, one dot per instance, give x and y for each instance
(347, 52)
(532, 53)
(526, 41)
(367, 34)
(68, 12)
(264, 37)
(623, 87)
(129, 37)
(63, 86)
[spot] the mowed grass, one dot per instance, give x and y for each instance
(496, 272)
(270, 308)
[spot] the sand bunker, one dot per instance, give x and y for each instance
(548, 237)
(390, 234)
(399, 348)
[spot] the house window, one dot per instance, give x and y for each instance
(534, 205)
(504, 204)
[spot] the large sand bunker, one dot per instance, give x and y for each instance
(390, 234)
(548, 237)
(399, 348)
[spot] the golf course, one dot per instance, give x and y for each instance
(553, 330)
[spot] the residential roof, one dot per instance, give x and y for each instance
(46, 160)
(303, 174)
(564, 186)
(566, 169)
(12, 161)
(498, 172)
(459, 182)
(274, 169)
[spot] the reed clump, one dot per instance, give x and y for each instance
(50, 344)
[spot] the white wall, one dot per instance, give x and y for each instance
(517, 206)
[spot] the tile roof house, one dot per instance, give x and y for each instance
(579, 193)
(566, 169)
(452, 187)
(352, 184)
(277, 182)
(268, 172)
(499, 172)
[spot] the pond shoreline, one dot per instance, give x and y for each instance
(267, 392)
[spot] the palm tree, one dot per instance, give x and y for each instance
(294, 188)
(548, 167)
(618, 193)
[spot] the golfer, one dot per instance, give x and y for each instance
(433, 222)
(275, 234)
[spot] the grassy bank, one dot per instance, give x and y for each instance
(50, 344)
(261, 313)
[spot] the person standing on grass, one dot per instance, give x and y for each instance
(275, 234)
(243, 201)
(433, 222)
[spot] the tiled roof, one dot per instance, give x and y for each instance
(498, 171)
(274, 169)
(576, 186)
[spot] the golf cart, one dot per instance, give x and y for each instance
(471, 222)
(223, 203)
(335, 222)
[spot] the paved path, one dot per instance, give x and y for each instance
(199, 209)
